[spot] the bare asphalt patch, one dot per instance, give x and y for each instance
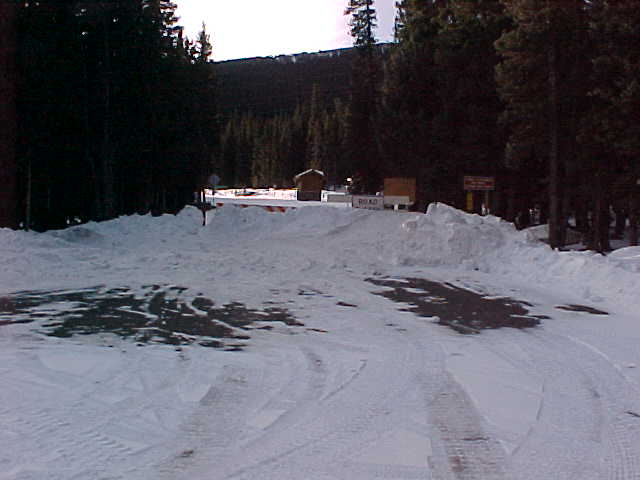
(160, 314)
(462, 310)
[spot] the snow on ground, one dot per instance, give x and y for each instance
(356, 388)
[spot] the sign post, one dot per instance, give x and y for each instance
(469, 201)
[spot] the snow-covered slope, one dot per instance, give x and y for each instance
(354, 388)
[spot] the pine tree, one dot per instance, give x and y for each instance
(203, 48)
(315, 137)
(466, 136)
(295, 162)
(226, 153)
(118, 77)
(609, 129)
(362, 129)
(409, 100)
(363, 23)
(540, 79)
(8, 159)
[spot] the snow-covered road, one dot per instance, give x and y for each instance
(360, 389)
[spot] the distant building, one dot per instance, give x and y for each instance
(400, 186)
(309, 184)
(8, 162)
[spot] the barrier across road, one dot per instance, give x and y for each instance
(268, 208)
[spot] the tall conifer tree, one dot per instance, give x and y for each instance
(541, 80)
(362, 129)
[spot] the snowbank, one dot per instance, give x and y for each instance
(310, 398)
(362, 240)
(444, 237)
(449, 237)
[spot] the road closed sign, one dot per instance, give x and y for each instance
(369, 202)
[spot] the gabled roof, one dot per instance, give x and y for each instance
(308, 172)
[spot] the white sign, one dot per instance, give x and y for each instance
(370, 202)
(395, 200)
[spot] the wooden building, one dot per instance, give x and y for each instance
(400, 186)
(8, 132)
(309, 184)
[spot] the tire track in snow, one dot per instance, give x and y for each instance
(70, 432)
(462, 448)
(240, 412)
(76, 444)
(213, 425)
(470, 451)
(333, 434)
(583, 430)
(419, 406)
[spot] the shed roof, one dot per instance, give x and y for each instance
(308, 172)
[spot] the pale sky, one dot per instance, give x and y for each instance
(257, 28)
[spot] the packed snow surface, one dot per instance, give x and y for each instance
(321, 375)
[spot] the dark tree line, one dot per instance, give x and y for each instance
(8, 167)
(542, 95)
(269, 86)
(568, 77)
(116, 111)
(270, 151)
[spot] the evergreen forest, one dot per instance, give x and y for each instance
(116, 111)
(119, 113)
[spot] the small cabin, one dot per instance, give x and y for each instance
(309, 184)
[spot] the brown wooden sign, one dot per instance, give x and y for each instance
(399, 186)
(479, 183)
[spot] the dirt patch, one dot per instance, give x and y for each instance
(582, 309)
(464, 311)
(345, 304)
(158, 314)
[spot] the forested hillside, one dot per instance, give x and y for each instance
(115, 111)
(285, 114)
(118, 113)
(268, 86)
(542, 96)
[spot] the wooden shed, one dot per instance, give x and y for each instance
(309, 184)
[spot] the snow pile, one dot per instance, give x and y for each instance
(24, 254)
(451, 238)
(231, 221)
(134, 231)
(446, 236)
(630, 256)
(109, 413)
(359, 240)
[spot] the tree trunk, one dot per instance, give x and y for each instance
(92, 210)
(555, 202)
(600, 236)
(108, 195)
(582, 215)
(8, 129)
(634, 210)
(511, 206)
(27, 213)
(621, 223)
